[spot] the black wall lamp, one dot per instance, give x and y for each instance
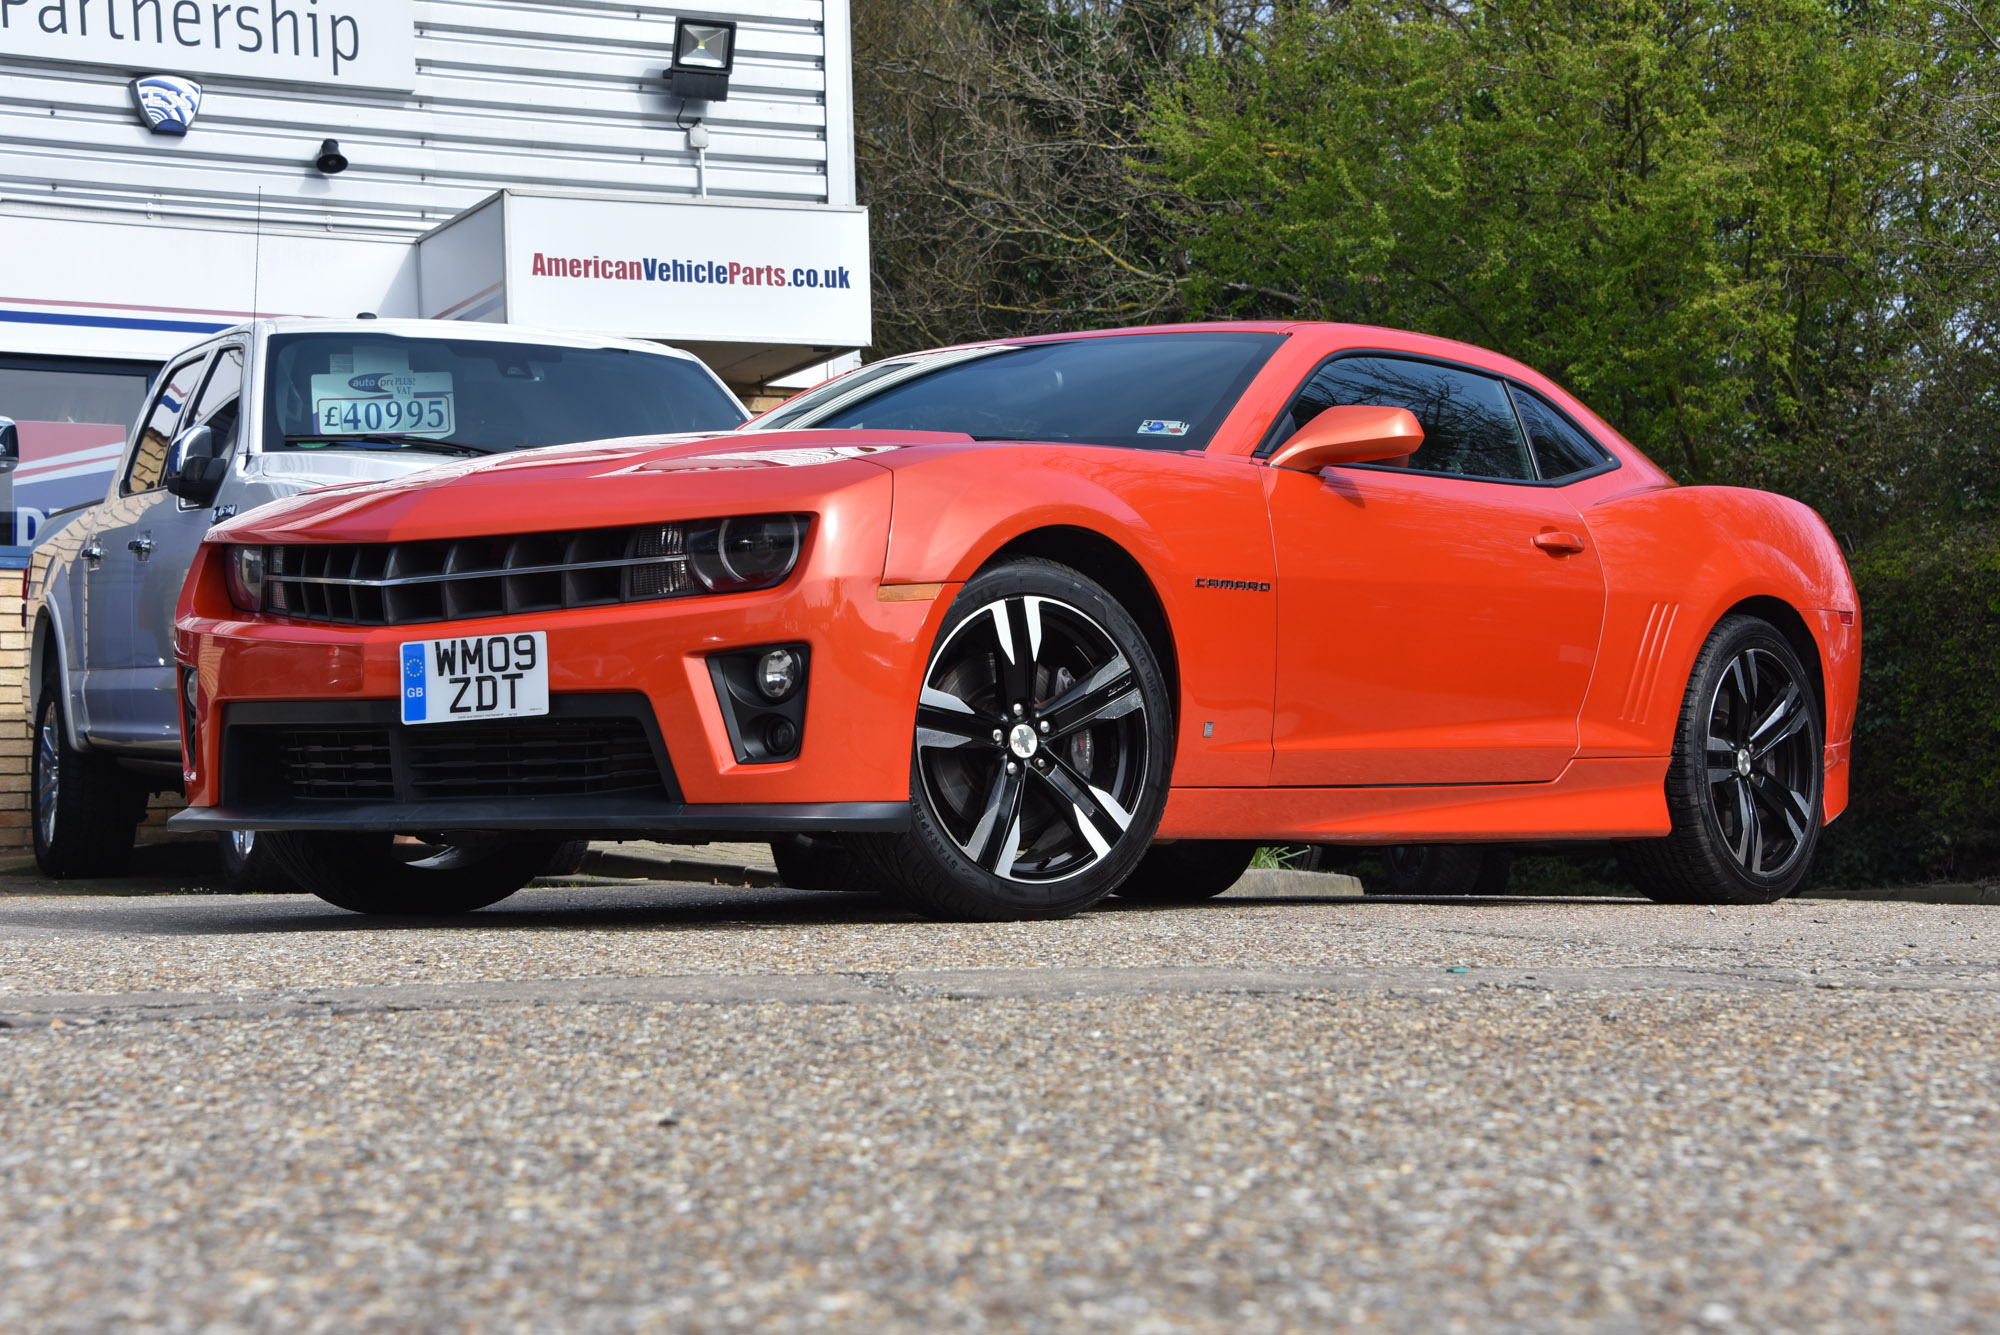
(331, 161)
(704, 55)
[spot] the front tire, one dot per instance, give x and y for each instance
(1743, 789)
(1043, 742)
(86, 809)
(363, 873)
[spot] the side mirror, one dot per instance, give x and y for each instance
(10, 445)
(1353, 434)
(193, 473)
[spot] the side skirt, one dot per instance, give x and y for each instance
(1592, 799)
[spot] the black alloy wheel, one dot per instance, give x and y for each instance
(1744, 788)
(1041, 752)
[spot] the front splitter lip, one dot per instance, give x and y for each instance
(563, 816)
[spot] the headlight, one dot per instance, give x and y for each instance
(756, 552)
(245, 567)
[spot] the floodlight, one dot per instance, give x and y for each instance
(704, 54)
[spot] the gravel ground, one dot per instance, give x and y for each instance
(1622, 1116)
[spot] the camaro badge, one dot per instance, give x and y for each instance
(167, 101)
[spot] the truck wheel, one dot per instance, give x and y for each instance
(362, 872)
(249, 867)
(87, 810)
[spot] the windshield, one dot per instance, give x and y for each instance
(1150, 391)
(382, 391)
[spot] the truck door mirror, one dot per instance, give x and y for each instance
(10, 445)
(193, 473)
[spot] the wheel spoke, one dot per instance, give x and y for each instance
(1019, 644)
(1785, 719)
(944, 722)
(1108, 693)
(1745, 818)
(996, 840)
(1784, 801)
(1754, 825)
(1094, 813)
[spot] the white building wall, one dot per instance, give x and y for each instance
(547, 95)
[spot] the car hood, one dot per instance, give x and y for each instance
(595, 484)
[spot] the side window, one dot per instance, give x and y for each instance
(150, 459)
(216, 409)
(1560, 449)
(1468, 421)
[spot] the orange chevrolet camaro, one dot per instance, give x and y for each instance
(1003, 629)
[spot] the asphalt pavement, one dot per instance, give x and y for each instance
(654, 1106)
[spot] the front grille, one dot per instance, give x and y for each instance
(402, 583)
(325, 751)
(532, 758)
(345, 764)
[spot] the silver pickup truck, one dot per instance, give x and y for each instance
(260, 411)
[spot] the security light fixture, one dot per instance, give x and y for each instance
(704, 54)
(331, 161)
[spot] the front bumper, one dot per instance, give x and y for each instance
(851, 771)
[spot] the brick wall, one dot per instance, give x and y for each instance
(14, 837)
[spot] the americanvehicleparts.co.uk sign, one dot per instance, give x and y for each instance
(345, 43)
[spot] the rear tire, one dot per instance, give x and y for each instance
(249, 867)
(1039, 770)
(1443, 869)
(86, 810)
(1187, 871)
(362, 873)
(1744, 785)
(567, 860)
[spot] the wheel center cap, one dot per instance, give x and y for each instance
(1022, 741)
(1743, 761)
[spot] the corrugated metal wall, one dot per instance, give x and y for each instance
(564, 96)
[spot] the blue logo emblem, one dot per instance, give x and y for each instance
(167, 101)
(373, 382)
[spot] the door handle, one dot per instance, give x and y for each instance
(1558, 544)
(143, 546)
(93, 552)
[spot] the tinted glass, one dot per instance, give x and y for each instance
(1560, 449)
(216, 408)
(326, 388)
(1469, 426)
(1150, 391)
(787, 414)
(150, 458)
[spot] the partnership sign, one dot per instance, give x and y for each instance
(342, 43)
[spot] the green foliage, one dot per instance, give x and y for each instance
(1661, 206)
(1926, 794)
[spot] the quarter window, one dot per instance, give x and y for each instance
(216, 409)
(150, 458)
(1469, 425)
(1560, 449)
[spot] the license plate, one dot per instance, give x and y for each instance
(475, 677)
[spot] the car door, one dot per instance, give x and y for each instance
(1438, 616)
(121, 669)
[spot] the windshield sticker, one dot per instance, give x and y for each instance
(373, 391)
(1153, 426)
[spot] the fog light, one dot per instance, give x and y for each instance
(778, 674)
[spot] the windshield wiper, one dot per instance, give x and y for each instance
(390, 440)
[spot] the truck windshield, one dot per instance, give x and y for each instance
(1149, 391)
(383, 391)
